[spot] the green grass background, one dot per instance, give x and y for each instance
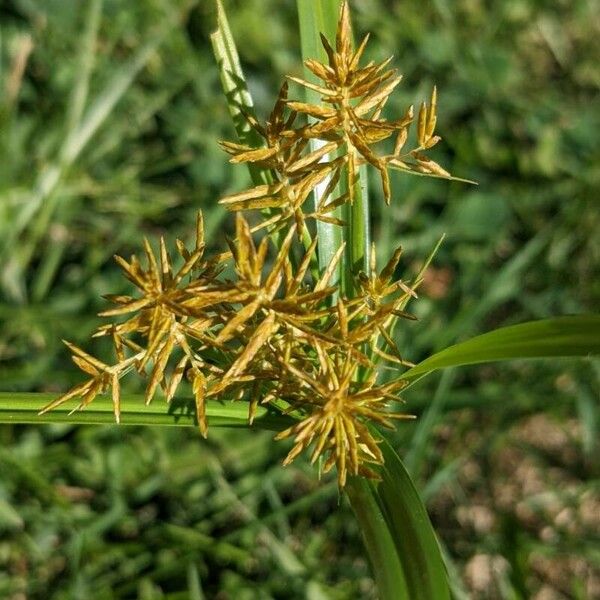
(109, 117)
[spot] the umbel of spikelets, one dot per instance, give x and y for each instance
(338, 412)
(277, 331)
(348, 124)
(296, 173)
(173, 313)
(271, 334)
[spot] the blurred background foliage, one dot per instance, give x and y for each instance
(109, 117)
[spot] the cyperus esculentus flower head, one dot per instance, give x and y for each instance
(279, 332)
(350, 125)
(297, 173)
(338, 409)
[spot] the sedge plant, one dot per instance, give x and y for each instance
(279, 333)
(295, 319)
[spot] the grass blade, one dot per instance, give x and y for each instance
(420, 442)
(236, 91)
(399, 538)
(379, 543)
(75, 111)
(116, 88)
(92, 120)
(24, 407)
(79, 95)
(412, 531)
(557, 337)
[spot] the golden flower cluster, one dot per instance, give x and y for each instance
(279, 332)
(348, 124)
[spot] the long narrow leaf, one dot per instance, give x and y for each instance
(91, 121)
(379, 543)
(236, 91)
(412, 531)
(557, 337)
(405, 555)
(24, 408)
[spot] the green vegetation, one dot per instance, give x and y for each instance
(108, 123)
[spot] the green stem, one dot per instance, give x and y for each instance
(321, 16)
(358, 233)
(316, 17)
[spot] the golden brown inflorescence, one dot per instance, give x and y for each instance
(279, 332)
(348, 122)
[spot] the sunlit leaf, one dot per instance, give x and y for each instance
(557, 337)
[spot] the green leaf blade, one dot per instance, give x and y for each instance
(378, 540)
(412, 531)
(558, 337)
(235, 88)
(399, 537)
(21, 408)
